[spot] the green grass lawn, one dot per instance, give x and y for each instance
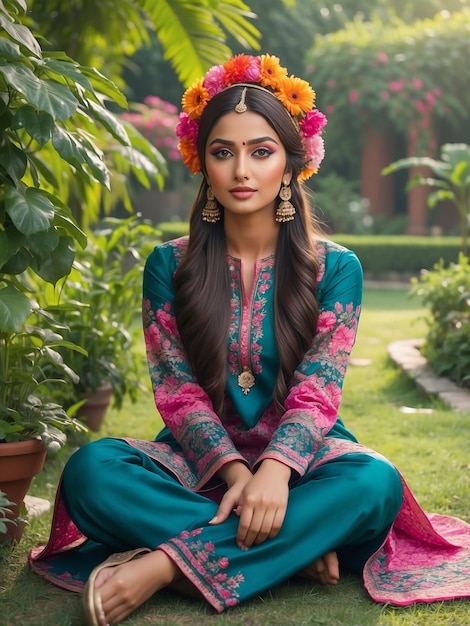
(431, 450)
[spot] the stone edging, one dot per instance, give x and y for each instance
(407, 356)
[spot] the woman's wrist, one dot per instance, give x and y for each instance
(233, 471)
(276, 468)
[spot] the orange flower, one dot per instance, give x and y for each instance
(195, 99)
(272, 72)
(190, 156)
(235, 69)
(296, 95)
(306, 173)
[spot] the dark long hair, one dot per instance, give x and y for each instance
(202, 299)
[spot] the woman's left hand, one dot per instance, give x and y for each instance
(263, 503)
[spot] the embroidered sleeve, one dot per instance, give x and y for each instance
(183, 405)
(313, 401)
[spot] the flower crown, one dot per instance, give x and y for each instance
(265, 72)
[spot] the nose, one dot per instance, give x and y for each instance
(241, 167)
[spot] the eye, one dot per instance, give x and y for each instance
(222, 153)
(262, 152)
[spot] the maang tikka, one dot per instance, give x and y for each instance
(211, 211)
(285, 211)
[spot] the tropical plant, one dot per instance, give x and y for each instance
(28, 355)
(101, 310)
(452, 180)
(192, 34)
(53, 116)
(446, 291)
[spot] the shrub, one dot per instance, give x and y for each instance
(446, 290)
(385, 255)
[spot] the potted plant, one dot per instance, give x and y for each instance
(53, 119)
(103, 294)
(30, 423)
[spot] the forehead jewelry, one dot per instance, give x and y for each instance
(241, 106)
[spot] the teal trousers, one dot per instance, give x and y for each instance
(121, 499)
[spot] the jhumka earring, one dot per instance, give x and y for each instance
(285, 211)
(210, 212)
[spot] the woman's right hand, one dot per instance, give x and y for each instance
(236, 474)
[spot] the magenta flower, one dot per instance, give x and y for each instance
(187, 127)
(312, 123)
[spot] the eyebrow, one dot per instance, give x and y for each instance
(251, 142)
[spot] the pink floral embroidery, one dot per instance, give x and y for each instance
(209, 567)
(253, 321)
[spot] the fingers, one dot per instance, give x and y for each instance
(257, 525)
(227, 505)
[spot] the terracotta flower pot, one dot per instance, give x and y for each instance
(19, 463)
(94, 410)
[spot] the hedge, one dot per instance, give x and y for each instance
(382, 256)
(392, 256)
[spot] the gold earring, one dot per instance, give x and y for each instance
(210, 212)
(286, 210)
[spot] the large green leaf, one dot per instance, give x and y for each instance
(18, 262)
(9, 50)
(30, 209)
(10, 241)
(44, 242)
(12, 159)
(78, 151)
(21, 34)
(58, 263)
(110, 122)
(233, 15)
(105, 86)
(38, 124)
(49, 96)
(65, 67)
(15, 308)
(190, 38)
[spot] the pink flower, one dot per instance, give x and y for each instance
(419, 106)
(396, 85)
(253, 72)
(312, 123)
(383, 58)
(342, 340)
(214, 79)
(223, 562)
(385, 95)
(326, 321)
(417, 83)
(353, 96)
(314, 151)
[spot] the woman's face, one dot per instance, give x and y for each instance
(245, 163)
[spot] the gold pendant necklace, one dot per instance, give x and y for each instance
(246, 380)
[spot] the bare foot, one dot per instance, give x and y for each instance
(324, 570)
(124, 588)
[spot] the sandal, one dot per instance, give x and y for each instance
(91, 599)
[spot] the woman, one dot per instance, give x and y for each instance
(248, 325)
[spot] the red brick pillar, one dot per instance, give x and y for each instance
(378, 151)
(418, 211)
